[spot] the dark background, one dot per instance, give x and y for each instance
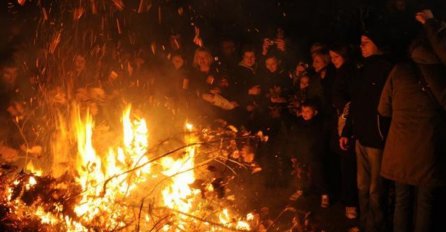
(245, 21)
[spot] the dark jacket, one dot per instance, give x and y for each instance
(415, 150)
(341, 86)
(436, 34)
(366, 86)
(308, 139)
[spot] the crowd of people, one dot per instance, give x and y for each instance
(383, 119)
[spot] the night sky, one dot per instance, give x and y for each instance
(244, 20)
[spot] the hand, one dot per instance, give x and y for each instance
(424, 15)
(250, 108)
(265, 46)
(281, 45)
(208, 97)
(235, 104)
(197, 39)
(215, 91)
(210, 79)
(343, 143)
(255, 90)
(278, 100)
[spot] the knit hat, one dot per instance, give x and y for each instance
(375, 28)
(376, 35)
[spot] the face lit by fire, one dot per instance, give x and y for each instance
(177, 61)
(319, 62)
(304, 82)
(228, 48)
(336, 59)
(368, 47)
(203, 60)
(79, 63)
(249, 59)
(272, 64)
(9, 75)
(308, 112)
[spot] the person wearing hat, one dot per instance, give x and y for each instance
(362, 125)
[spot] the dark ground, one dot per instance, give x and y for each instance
(324, 219)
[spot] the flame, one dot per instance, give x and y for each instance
(30, 167)
(95, 170)
(107, 184)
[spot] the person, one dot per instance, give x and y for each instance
(363, 125)
(414, 151)
(324, 76)
(245, 89)
(436, 34)
(341, 98)
(275, 82)
(309, 134)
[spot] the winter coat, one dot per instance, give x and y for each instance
(366, 86)
(341, 86)
(415, 149)
(436, 34)
(308, 139)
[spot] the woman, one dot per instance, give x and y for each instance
(339, 56)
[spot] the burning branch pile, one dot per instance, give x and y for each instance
(131, 188)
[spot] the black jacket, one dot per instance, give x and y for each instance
(436, 34)
(308, 139)
(367, 85)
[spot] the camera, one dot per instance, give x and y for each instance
(270, 41)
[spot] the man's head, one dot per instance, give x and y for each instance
(227, 47)
(9, 74)
(272, 63)
(368, 46)
(79, 63)
(248, 58)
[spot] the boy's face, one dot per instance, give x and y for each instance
(304, 82)
(308, 113)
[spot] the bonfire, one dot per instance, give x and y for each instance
(131, 187)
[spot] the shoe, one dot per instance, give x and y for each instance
(325, 201)
(351, 213)
(296, 195)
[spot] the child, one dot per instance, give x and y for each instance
(309, 135)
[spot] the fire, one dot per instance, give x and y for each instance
(30, 168)
(95, 171)
(112, 183)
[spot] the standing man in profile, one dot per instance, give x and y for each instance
(363, 125)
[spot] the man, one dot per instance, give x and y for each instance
(436, 35)
(414, 154)
(363, 125)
